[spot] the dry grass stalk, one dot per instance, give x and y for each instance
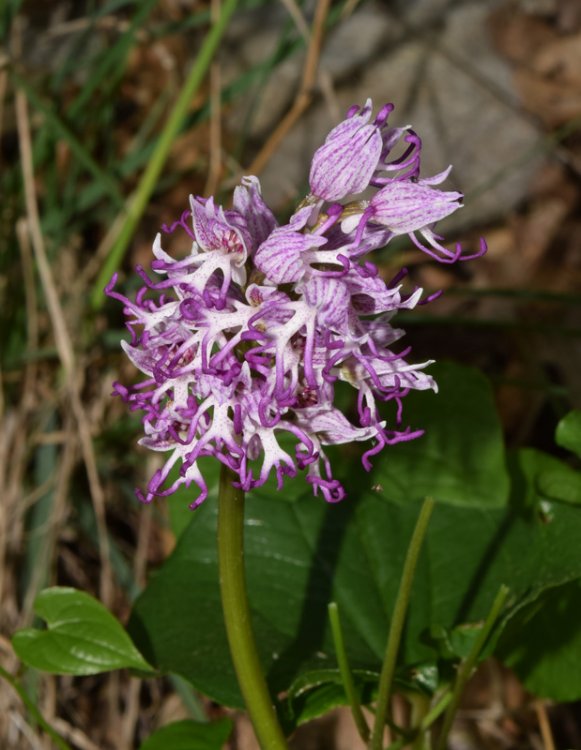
(544, 725)
(304, 95)
(215, 151)
(63, 342)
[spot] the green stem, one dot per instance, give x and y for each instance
(468, 665)
(397, 623)
(435, 712)
(345, 670)
(420, 706)
(237, 616)
(136, 204)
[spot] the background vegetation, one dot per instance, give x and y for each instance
(111, 113)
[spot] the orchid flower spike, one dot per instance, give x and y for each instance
(243, 339)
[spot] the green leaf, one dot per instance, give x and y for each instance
(82, 638)
(460, 459)
(315, 702)
(550, 479)
(189, 735)
(316, 693)
(302, 554)
(568, 433)
(562, 484)
(457, 642)
(542, 643)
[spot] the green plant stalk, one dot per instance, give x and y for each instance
(237, 615)
(420, 706)
(345, 670)
(138, 201)
(432, 716)
(467, 666)
(435, 712)
(34, 712)
(397, 623)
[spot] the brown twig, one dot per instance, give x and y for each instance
(215, 160)
(73, 734)
(14, 423)
(132, 707)
(6, 435)
(349, 8)
(544, 725)
(63, 341)
(58, 513)
(297, 15)
(3, 88)
(304, 95)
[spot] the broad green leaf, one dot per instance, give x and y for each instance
(82, 637)
(189, 735)
(460, 458)
(542, 640)
(542, 643)
(302, 554)
(568, 433)
(550, 479)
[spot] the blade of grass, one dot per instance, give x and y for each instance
(137, 203)
(192, 703)
(108, 183)
(39, 543)
(8, 11)
(33, 710)
(112, 65)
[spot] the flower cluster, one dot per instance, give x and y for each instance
(244, 340)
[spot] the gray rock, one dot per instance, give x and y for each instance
(458, 94)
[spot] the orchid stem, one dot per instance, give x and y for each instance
(346, 676)
(397, 623)
(467, 666)
(237, 616)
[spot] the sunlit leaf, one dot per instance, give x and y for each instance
(82, 637)
(568, 433)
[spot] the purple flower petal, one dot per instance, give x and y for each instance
(279, 257)
(258, 217)
(345, 163)
(405, 207)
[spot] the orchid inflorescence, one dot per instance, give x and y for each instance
(244, 340)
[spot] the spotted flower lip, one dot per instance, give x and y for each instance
(244, 340)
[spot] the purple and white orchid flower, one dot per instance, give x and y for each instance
(243, 341)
